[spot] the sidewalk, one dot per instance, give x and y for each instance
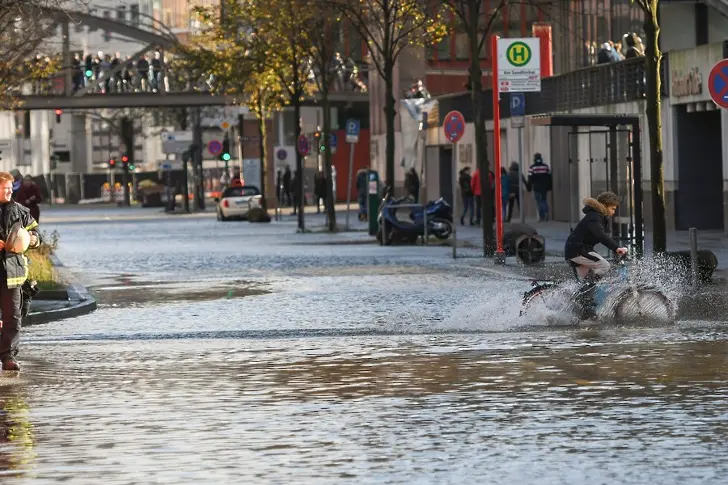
(57, 305)
(555, 234)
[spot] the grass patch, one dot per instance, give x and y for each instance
(40, 267)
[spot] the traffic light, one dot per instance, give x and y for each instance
(126, 163)
(89, 73)
(59, 112)
(318, 141)
(112, 163)
(225, 153)
(124, 159)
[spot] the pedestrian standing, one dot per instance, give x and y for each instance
(540, 181)
(13, 271)
(466, 193)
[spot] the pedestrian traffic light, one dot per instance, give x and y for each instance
(59, 112)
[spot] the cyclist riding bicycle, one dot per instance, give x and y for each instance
(592, 230)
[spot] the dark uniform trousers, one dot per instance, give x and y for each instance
(10, 305)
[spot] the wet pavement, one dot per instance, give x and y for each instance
(247, 353)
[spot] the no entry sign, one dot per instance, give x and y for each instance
(718, 83)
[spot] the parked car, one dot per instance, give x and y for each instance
(235, 202)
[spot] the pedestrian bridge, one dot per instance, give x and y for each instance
(176, 89)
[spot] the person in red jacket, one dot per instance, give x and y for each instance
(475, 185)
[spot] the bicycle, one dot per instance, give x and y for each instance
(619, 299)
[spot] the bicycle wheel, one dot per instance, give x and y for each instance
(644, 305)
(547, 299)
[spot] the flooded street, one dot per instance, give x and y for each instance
(241, 353)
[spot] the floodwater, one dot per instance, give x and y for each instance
(329, 364)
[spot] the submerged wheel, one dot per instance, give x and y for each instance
(644, 305)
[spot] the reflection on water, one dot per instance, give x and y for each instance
(619, 406)
(17, 446)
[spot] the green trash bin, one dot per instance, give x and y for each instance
(373, 201)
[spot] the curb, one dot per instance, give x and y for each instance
(85, 303)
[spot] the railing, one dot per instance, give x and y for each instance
(600, 85)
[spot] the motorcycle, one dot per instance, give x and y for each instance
(439, 220)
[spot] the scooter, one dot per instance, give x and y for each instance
(439, 221)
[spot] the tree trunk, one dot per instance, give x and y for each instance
(263, 156)
(389, 114)
(299, 163)
(653, 59)
(481, 141)
(330, 202)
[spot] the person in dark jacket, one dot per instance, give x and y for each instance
(466, 193)
(361, 193)
(539, 180)
(287, 185)
(13, 271)
(412, 184)
(592, 230)
(514, 197)
(319, 190)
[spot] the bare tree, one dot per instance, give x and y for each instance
(653, 109)
(388, 26)
(23, 27)
(477, 22)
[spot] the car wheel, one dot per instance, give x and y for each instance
(221, 217)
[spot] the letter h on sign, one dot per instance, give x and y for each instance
(519, 53)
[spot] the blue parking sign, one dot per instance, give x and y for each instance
(352, 131)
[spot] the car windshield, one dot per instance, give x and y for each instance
(241, 191)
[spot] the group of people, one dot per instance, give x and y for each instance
(629, 47)
(539, 182)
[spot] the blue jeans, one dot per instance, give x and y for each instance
(467, 204)
(543, 205)
(362, 204)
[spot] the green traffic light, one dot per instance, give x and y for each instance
(132, 166)
(322, 148)
(89, 73)
(226, 156)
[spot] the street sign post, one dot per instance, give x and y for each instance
(454, 128)
(519, 64)
(303, 145)
(718, 83)
(214, 147)
(518, 110)
(516, 67)
(352, 137)
(174, 142)
(333, 142)
(352, 131)
(518, 118)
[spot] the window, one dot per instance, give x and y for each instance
(245, 191)
(121, 14)
(443, 49)
(462, 46)
(134, 14)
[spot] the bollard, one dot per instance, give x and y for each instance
(278, 214)
(425, 235)
(693, 232)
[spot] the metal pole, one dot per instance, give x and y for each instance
(68, 72)
(454, 199)
(425, 236)
(348, 183)
(693, 232)
(500, 255)
(521, 210)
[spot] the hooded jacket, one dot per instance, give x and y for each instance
(591, 230)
